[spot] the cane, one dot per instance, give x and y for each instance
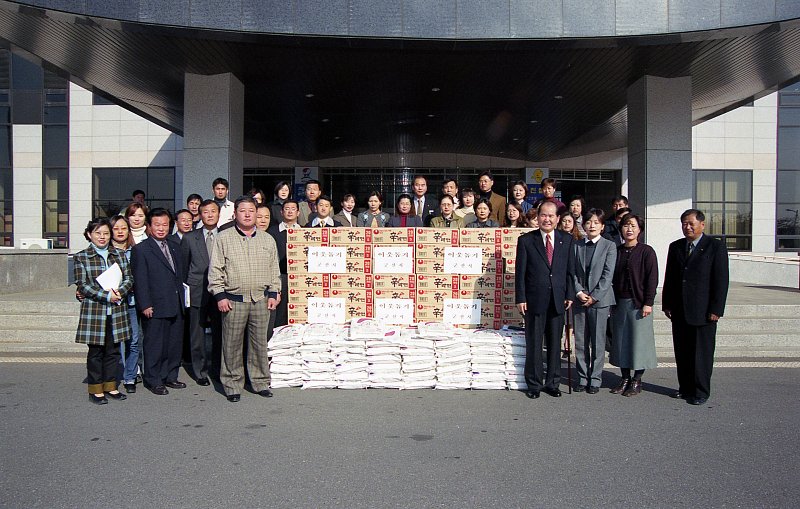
(568, 349)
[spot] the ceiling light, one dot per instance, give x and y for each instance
(558, 97)
(427, 134)
(309, 96)
(337, 137)
(534, 121)
(431, 115)
(515, 139)
(324, 120)
(435, 89)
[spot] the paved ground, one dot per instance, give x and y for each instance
(381, 448)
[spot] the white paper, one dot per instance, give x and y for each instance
(111, 278)
(463, 260)
(393, 259)
(327, 260)
(395, 311)
(186, 296)
(329, 310)
(462, 311)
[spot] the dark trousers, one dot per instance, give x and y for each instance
(102, 363)
(163, 346)
(539, 328)
(282, 311)
(206, 350)
(694, 356)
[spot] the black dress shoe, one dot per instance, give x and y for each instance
(233, 398)
(98, 400)
(203, 381)
(555, 392)
(579, 388)
(130, 388)
(697, 401)
(265, 393)
(532, 394)
(592, 389)
(176, 385)
(159, 390)
(118, 396)
(677, 395)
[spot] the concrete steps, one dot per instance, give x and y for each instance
(40, 325)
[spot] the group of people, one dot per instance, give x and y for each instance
(232, 259)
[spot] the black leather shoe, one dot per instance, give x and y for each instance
(579, 388)
(592, 390)
(677, 395)
(265, 393)
(176, 385)
(203, 382)
(159, 390)
(233, 398)
(532, 394)
(98, 400)
(697, 401)
(130, 388)
(555, 392)
(118, 396)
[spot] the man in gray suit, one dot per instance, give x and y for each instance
(595, 259)
(196, 248)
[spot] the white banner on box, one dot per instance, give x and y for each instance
(463, 260)
(327, 260)
(395, 311)
(462, 311)
(393, 260)
(326, 310)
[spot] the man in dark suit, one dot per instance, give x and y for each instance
(425, 206)
(694, 295)
(156, 266)
(499, 204)
(289, 213)
(196, 248)
(543, 294)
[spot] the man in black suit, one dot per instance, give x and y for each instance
(694, 295)
(289, 212)
(543, 294)
(196, 248)
(424, 205)
(156, 266)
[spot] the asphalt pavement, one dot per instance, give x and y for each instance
(388, 448)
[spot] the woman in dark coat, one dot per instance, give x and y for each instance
(403, 213)
(633, 344)
(104, 320)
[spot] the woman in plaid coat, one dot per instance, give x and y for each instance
(104, 318)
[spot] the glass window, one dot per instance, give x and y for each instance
(25, 75)
(726, 198)
(55, 146)
(56, 206)
(6, 207)
(99, 100)
(56, 115)
(112, 188)
(787, 206)
(5, 146)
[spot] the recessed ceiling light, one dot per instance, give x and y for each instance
(337, 137)
(324, 120)
(435, 89)
(501, 152)
(427, 134)
(515, 139)
(534, 121)
(309, 95)
(558, 97)
(431, 115)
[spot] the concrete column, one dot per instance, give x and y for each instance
(660, 182)
(27, 170)
(213, 134)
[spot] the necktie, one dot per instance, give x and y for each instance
(419, 207)
(689, 249)
(165, 250)
(548, 247)
(209, 243)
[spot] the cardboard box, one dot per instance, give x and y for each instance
(296, 251)
(435, 297)
(352, 295)
(298, 312)
(428, 313)
(297, 295)
(479, 236)
(305, 281)
(356, 251)
(314, 236)
(493, 266)
(352, 280)
(510, 235)
(482, 282)
(429, 251)
(392, 236)
(509, 312)
(445, 236)
(508, 250)
(343, 236)
(429, 266)
(395, 293)
(508, 296)
(358, 310)
(360, 266)
(435, 282)
(486, 295)
(296, 266)
(394, 281)
(509, 281)
(510, 264)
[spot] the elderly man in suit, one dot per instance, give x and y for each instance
(158, 277)
(694, 295)
(424, 205)
(196, 248)
(595, 259)
(543, 294)
(244, 279)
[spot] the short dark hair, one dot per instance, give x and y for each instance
(698, 214)
(347, 197)
(325, 197)
(598, 213)
(137, 191)
(543, 203)
(181, 211)
(314, 181)
(579, 198)
(404, 196)
(621, 212)
(218, 181)
(206, 203)
(287, 202)
(449, 179)
(485, 202)
(632, 217)
(446, 197)
(194, 196)
(486, 173)
(280, 185)
(244, 199)
(549, 181)
(158, 212)
(466, 190)
(113, 222)
(376, 194)
(95, 224)
(254, 191)
(133, 207)
(520, 183)
(619, 197)
(416, 177)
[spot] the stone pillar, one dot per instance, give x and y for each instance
(28, 184)
(213, 134)
(660, 182)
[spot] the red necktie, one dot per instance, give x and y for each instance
(548, 247)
